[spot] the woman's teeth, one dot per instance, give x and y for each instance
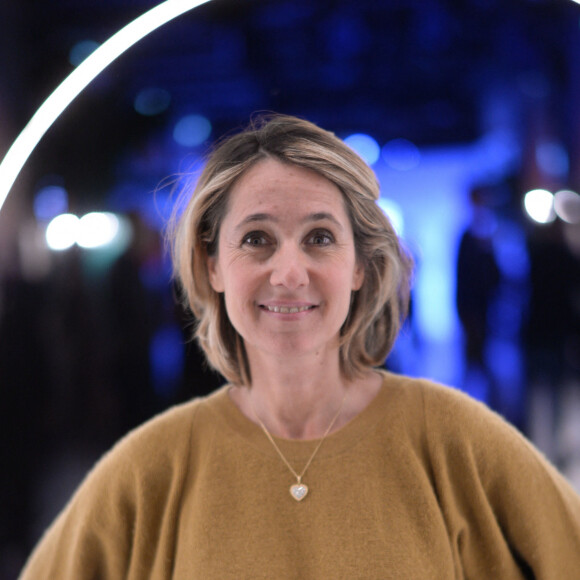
(288, 309)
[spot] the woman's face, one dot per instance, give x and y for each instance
(286, 261)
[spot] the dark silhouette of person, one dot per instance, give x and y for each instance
(478, 277)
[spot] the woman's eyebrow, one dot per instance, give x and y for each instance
(256, 217)
(322, 216)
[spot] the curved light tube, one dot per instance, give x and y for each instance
(89, 69)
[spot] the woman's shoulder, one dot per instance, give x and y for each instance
(148, 461)
(448, 406)
(125, 498)
(464, 433)
(157, 452)
(169, 434)
(450, 420)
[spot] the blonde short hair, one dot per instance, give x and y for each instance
(377, 309)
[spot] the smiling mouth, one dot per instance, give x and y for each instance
(287, 309)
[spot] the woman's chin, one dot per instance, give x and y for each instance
(289, 349)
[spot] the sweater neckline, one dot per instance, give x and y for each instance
(350, 434)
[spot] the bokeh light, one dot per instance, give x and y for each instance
(365, 146)
(49, 202)
(81, 50)
(394, 212)
(93, 230)
(567, 206)
(97, 229)
(152, 101)
(62, 231)
(401, 155)
(192, 130)
(539, 206)
(552, 158)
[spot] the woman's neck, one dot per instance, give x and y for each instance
(300, 400)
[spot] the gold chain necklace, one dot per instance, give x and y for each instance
(298, 490)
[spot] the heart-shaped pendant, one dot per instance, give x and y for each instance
(298, 491)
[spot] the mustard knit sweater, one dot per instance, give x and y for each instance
(425, 483)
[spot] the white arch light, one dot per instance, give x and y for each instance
(69, 89)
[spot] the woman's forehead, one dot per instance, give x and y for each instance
(271, 186)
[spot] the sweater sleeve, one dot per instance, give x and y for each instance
(120, 522)
(509, 513)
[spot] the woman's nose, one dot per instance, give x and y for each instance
(289, 268)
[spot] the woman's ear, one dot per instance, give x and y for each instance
(214, 273)
(358, 276)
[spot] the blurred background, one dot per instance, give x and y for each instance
(467, 111)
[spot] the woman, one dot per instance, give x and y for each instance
(309, 462)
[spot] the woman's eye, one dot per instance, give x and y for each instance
(321, 238)
(255, 239)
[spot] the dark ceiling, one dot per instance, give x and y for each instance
(419, 69)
